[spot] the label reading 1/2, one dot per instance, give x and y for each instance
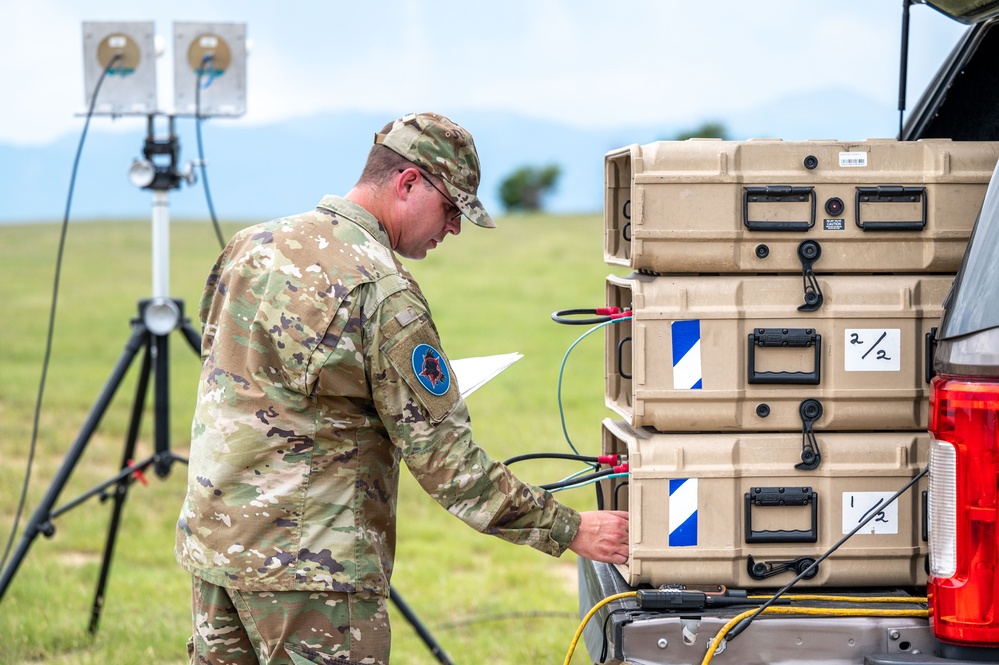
(857, 506)
(852, 159)
(872, 350)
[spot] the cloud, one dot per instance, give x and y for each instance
(35, 40)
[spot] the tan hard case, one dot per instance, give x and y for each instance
(760, 358)
(712, 206)
(759, 521)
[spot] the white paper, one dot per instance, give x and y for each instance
(472, 373)
(872, 350)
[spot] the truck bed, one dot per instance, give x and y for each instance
(623, 633)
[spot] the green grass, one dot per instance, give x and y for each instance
(491, 292)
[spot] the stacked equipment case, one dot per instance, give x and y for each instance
(774, 375)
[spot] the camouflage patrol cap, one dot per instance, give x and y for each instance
(447, 151)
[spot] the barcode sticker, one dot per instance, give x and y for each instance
(847, 159)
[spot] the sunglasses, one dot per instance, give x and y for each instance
(456, 214)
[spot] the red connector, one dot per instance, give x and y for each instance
(599, 315)
(138, 475)
(613, 312)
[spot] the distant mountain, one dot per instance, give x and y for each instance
(825, 114)
(261, 172)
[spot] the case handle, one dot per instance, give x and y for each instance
(784, 337)
(891, 194)
(781, 497)
(777, 194)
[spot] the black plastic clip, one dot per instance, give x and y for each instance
(810, 410)
(626, 213)
(809, 252)
(620, 359)
(925, 505)
(930, 350)
(761, 570)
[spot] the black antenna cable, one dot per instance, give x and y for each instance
(871, 514)
(201, 152)
(52, 310)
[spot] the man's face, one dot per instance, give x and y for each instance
(432, 215)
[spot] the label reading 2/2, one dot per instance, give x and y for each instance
(872, 350)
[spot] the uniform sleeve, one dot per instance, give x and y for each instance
(209, 305)
(418, 400)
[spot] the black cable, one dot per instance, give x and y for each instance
(201, 152)
(568, 456)
(52, 310)
(506, 616)
(871, 514)
(605, 642)
(617, 487)
(602, 315)
(421, 630)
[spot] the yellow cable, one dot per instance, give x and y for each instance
(589, 615)
(772, 610)
(805, 610)
(854, 599)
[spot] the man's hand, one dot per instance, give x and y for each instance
(602, 536)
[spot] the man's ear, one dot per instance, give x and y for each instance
(406, 181)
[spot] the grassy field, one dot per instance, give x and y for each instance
(485, 601)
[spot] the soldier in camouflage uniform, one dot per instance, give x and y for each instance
(322, 370)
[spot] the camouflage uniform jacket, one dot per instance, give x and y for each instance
(321, 370)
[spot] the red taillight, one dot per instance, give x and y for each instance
(964, 478)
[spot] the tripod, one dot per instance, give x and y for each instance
(157, 318)
(155, 362)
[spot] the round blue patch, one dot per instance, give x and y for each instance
(430, 369)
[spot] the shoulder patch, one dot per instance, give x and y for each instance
(430, 369)
(416, 355)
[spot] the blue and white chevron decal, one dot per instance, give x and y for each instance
(686, 355)
(683, 512)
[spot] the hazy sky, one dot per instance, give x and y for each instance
(585, 62)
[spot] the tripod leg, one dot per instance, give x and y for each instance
(420, 629)
(121, 489)
(40, 521)
(191, 335)
(161, 404)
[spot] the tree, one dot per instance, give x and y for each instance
(707, 130)
(525, 188)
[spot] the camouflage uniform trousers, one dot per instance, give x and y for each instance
(233, 627)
